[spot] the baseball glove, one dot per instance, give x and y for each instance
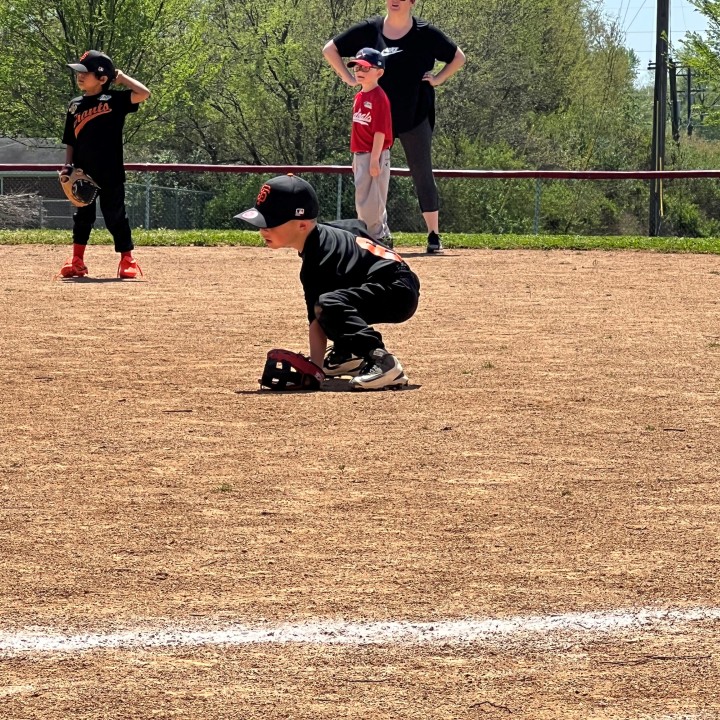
(288, 370)
(81, 189)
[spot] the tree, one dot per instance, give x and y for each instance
(153, 40)
(269, 96)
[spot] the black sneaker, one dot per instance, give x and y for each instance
(387, 241)
(381, 371)
(338, 362)
(434, 243)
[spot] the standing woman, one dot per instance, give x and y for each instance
(411, 47)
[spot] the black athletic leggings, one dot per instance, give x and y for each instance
(112, 204)
(417, 144)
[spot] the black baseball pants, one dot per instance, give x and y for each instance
(112, 204)
(346, 315)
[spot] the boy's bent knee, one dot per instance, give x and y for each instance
(327, 302)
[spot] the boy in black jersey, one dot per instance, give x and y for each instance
(349, 282)
(93, 139)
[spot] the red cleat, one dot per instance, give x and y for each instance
(129, 268)
(73, 267)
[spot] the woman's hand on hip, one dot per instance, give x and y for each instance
(432, 79)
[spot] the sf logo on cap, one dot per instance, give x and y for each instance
(263, 194)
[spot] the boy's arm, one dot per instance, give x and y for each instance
(378, 141)
(68, 139)
(67, 168)
(139, 93)
(318, 343)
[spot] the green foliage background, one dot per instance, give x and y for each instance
(548, 84)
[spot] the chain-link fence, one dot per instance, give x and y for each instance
(187, 201)
(209, 197)
(149, 205)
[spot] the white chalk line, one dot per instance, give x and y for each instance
(328, 632)
(16, 690)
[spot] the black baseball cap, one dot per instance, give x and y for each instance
(369, 57)
(95, 62)
(281, 199)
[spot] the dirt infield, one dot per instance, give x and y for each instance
(557, 452)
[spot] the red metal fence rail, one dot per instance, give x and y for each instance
(402, 172)
(187, 206)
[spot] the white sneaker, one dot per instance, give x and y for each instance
(381, 371)
(339, 363)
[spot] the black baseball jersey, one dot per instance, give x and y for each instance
(406, 61)
(93, 127)
(336, 259)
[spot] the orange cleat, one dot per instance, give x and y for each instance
(73, 267)
(129, 268)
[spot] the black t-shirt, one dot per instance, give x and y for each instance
(336, 259)
(406, 61)
(94, 127)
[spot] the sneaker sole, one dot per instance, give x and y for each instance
(72, 274)
(396, 384)
(433, 251)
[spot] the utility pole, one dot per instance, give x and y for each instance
(675, 114)
(688, 70)
(674, 92)
(659, 113)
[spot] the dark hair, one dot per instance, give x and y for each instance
(107, 83)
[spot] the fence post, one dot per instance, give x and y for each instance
(538, 195)
(147, 201)
(338, 208)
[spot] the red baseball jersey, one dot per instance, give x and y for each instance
(371, 114)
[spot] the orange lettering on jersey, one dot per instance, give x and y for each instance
(84, 118)
(378, 250)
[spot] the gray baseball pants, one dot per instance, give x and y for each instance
(371, 193)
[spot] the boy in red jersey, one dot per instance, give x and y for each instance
(371, 138)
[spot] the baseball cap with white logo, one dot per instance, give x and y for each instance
(281, 199)
(368, 58)
(96, 62)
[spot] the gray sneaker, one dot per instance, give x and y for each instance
(337, 363)
(381, 371)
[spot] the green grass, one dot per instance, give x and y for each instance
(156, 238)
(217, 238)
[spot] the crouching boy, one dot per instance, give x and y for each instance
(350, 284)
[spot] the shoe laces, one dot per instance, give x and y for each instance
(129, 264)
(376, 365)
